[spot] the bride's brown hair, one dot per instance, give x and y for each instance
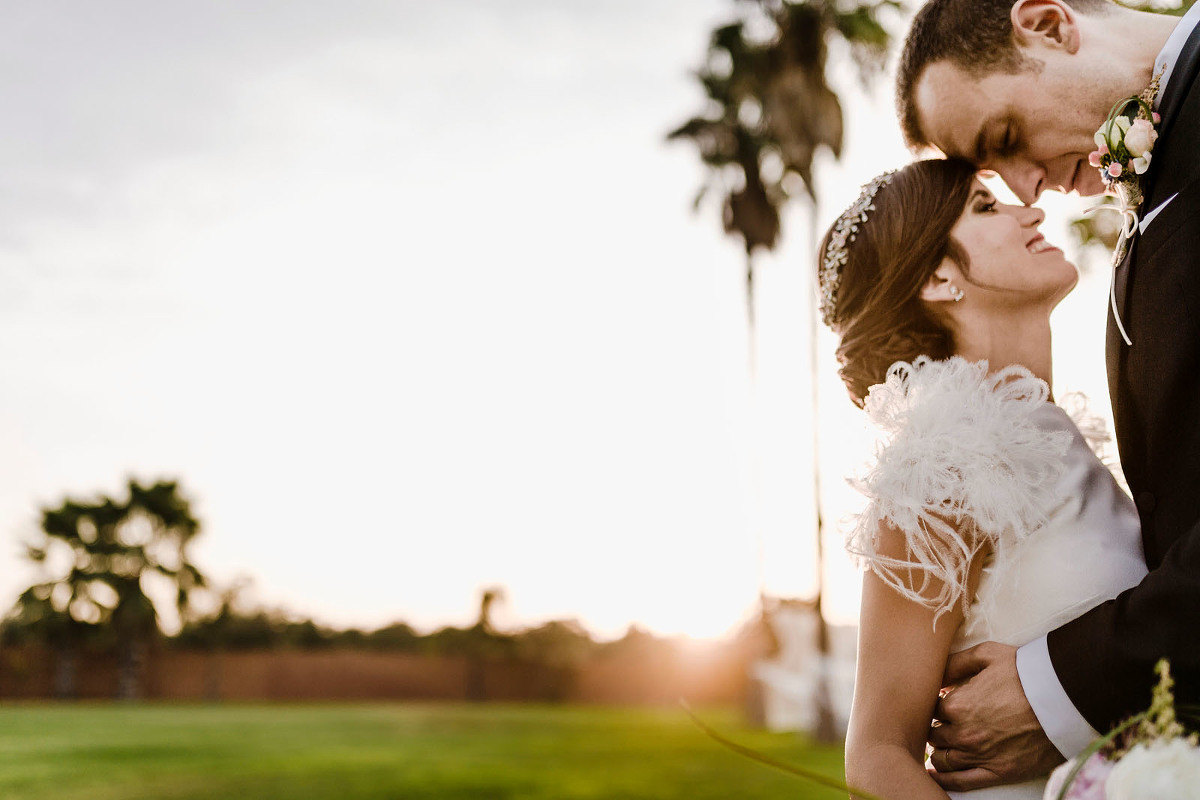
(880, 317)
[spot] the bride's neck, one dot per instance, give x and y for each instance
(1004, 343)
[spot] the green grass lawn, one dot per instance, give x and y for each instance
(414, 752)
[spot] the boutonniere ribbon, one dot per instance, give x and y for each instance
(1124, 148)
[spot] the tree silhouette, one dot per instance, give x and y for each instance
(771, 110)
(35, 619)
(99, 556)
(482, 643)
(487, 600)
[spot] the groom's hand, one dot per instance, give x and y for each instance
(985, 733)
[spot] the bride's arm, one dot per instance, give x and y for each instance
(901, 659)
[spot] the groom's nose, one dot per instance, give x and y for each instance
(1024, 178)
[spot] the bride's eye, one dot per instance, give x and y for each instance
(985, 207)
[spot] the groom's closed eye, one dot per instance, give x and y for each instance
(1002, 136)
(1008, 140)
(981, 143)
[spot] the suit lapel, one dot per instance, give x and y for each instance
(1173, 96)
(1176, 163)
(1181, 80)
(1114, 344)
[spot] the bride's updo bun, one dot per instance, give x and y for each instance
(879, 315)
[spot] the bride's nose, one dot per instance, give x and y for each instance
(1030, 216)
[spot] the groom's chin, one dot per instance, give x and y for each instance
(1089, 183)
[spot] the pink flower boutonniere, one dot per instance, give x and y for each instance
(1124, 147)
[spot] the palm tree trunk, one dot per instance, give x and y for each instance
(755, 699)
(752, 380)
(65, 687)
(214, 668)
(130, 656)
(826, 723)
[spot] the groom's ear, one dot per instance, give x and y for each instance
(1046, 22)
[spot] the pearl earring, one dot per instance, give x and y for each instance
(956, 293)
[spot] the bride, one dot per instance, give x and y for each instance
(989, 516)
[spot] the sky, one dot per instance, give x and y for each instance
(411, 299)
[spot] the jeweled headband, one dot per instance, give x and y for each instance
(844, 231)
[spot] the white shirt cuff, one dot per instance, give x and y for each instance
(1064, 725)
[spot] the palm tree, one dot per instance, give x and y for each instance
(487, 600)
(772, 109)
(482, 643)
(110, 548)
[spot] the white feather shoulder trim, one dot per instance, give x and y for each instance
(963, 466)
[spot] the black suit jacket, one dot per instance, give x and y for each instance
(1105, 659)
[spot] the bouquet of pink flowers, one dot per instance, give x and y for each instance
(1148, 756)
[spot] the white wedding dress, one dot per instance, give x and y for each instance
(993, 456)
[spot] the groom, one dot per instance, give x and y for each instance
(1020, 88)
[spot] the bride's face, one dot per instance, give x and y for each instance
(1011, 263)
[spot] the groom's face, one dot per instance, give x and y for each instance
(1032, 127)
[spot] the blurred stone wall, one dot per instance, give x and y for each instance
(711, 675)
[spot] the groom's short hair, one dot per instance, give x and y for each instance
(975, 35)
